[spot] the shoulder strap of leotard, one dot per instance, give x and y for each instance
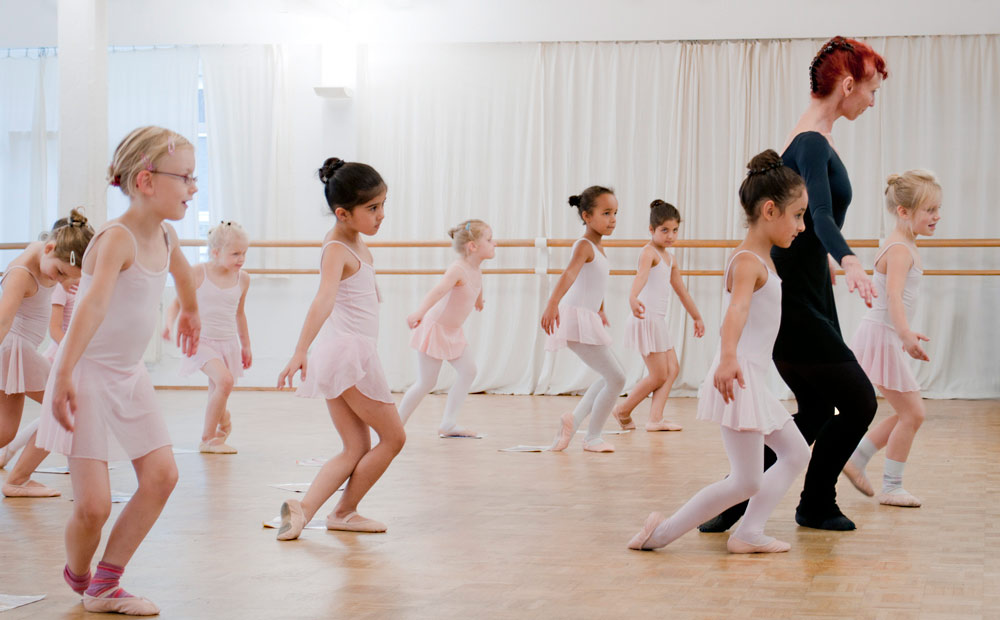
(135, 244)
(882, 252)
(38, 285)
(725, 274)
(666, 257)
(331, 242)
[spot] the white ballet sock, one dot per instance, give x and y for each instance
(863, 453)
(892, 477)
(465, 366)
(602, 394)
(427, 375)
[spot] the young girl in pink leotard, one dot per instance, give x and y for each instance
(437, 325)
(99, 400)
(914, 200)
(646, 328)
(28, 284)
(343, 366)
(774, 199)
(224, 348)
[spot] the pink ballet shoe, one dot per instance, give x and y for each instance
(292, 520)
(639, 541)
(457, 432)
(225, 426)
(625, 421)
(216, 445)
(899, 497)
(354, 523)
(126, 605)
(565, 434)
(29, 489)
(858, 478)
(735, 545)
(662, 425)
(597, 446)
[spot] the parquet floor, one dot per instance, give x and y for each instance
(477, 533)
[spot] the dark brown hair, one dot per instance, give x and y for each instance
(660, 211)
(349, 184)
(584, 203)
(768, 179)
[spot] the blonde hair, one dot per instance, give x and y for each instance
(224, 233)
(70, 236)
(469, 230)
(141, 150)
(910, 190)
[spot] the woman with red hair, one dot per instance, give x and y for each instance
(810, 352)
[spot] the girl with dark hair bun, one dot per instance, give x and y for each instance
(343, 367)
(735, 393)
(574, 318)
(810, 352)
(646, 328)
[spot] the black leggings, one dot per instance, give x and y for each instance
(819, 388)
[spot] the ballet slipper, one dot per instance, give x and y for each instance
(662, 425)
(29, 489)
(216, 445)
(625, 421)
(736, 545)
(899, 497)
(565, 433)
(598, 445)
(126, 605)
(292, 520)
(858, 478)
(354, 523)
(639, 541)
(457, 432)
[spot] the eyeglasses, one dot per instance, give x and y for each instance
(187, 178)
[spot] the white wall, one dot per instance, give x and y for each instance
(30, 23)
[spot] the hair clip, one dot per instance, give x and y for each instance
(170, 145)
(116, 181)
(72, 258)
(146, 160)
(468, 225)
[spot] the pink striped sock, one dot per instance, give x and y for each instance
(79, 583)
(104, 584)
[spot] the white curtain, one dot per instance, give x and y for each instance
(676, 121)
(154, 87)
(29, 148)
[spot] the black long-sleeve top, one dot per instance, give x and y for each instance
(810, 331)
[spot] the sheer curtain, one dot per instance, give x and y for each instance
(29, 148)
(676, 121)
(154, 87)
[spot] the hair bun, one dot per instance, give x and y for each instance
(329, 167)
(893, 179)
(764, 162)
(657, 203)
(452, 231)
(574, 201)
(77, 218)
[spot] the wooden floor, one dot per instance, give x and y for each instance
(477, 533)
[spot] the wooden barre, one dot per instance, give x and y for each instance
(565, 243)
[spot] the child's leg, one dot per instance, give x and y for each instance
(428, 369)
(157, 476)
(220, 386)
(357, 442)
(656, 364)
(11, 407)
(20, 440)
(385, 420)
(602, 360)
(793, 457)
(746, 458)
(909, 408)
(661, 394)
(91, 508)
(19, 482)
(465, 366)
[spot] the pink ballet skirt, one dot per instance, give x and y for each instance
(338, 361)
(578, 324)
(880, 353)
(226, 350)
(648, 335)
(22, 367)
(754, 408)
(438, 341)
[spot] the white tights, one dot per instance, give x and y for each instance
(600, 397)
(746, 480)
(428, 369)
